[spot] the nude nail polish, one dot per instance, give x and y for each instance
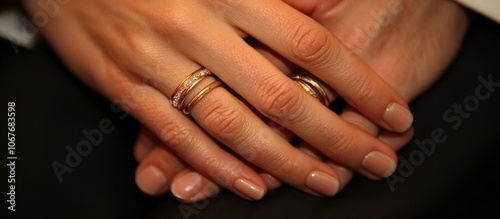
(271, 182)
(249, 189)
(151, 180)
(322, 183)
(187, 187)
(379, 164)
(398, 117)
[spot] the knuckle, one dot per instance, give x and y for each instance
(179, 20)
(343, 145)
(313, 45)
(362, 123)
(363, 89)
(279, 99)
(279, 163)
(222, 119)
(176, 135)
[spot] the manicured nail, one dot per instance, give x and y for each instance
(207, 191)
(398, 117)
(322, 183)
(379, 164)
(187, 187)
(249, 189)
(271, 182)
(151, 180)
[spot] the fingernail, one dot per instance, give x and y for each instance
(249, 189)
(271, 182)
(398, 117)
(342, 173)
(151, 180)
(207, 191)
(141, 151)
(379, 164)
(322, 183)
(187, 187)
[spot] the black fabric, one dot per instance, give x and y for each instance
(455, 178)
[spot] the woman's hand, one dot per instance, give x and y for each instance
(136, 53)
(409, 48)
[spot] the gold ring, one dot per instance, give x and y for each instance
(312, 88)
(200, 95)
(186, 85)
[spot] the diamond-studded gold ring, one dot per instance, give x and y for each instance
(180, 93)
(186, 85)
(312, 88)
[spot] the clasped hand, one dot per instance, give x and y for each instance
(237, 136)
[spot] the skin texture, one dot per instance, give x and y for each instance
(136, 54)
(409, 48)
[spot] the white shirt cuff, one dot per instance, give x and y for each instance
(489, 8)
(17, 29)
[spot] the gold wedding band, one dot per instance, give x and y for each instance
(186, 85)
(180, 93)
(312, 88)
(200, 95)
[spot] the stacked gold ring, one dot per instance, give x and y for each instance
(180, 93)
(312, 88)
(200, 95)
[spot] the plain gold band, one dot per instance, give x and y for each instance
(312, 88)
(200, 95)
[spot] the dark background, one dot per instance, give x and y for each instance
(458, 179)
